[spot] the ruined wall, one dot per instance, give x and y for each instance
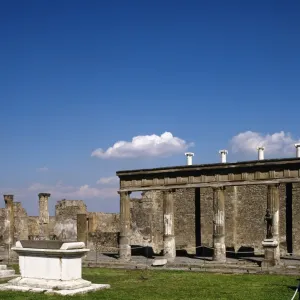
(206, 216)
(245, 208)
(184, 217)
(33, 227)
(296, 218)
(4, 226)
(147, 220)
(21, 222)
(104, 231)
(66, 211)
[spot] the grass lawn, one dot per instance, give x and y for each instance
(132, 284)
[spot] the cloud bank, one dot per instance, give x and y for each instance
(278, 143)
(145, 146)
(61, 191)
(108, 180)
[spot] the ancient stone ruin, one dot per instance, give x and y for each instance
(207, 209)
(66, 225)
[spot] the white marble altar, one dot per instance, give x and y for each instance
(51, 266)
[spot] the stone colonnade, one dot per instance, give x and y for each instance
(219, 243)
(43, 216)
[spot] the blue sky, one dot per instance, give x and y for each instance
(81, 75)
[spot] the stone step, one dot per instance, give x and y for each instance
(7, 273)
(3, 267)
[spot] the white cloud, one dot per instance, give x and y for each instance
(108, 180)
(61, 191)
(43, 169)
(145, 146)
(278, 143)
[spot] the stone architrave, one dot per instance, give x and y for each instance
(271, 242)
(124, 243)
(219, 224)
(53, 267)
(169, 236)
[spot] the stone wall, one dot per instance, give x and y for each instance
(103, 231)
(21, 222)
(4, 226)
(245, 208)
(245, 229)
(296, 218)
(147, 220)
(66, 211)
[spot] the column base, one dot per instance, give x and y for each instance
(219, 252)
(169, 248)
(272, 253)
(125, 248)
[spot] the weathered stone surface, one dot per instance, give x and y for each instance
(160, 262)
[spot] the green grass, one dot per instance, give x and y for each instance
(131, 284)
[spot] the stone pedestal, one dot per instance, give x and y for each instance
(51, 266)
(271, 258)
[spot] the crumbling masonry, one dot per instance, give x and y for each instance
(200, 209)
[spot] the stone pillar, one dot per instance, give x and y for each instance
(124, 243)
(169, 224)
(9, 205)
(44, 216)
(219, 224)
(82, 228)
(271, 244)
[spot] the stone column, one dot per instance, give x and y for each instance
(9, 205)
(219, 224)
(124, 243)
(169, 236)
(44, 216)
(82, 228)
(271, 244)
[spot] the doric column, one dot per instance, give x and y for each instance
(44, 215)
(273, 207)
(124, 244)
(9, 205)
(169, 236)
(219, 224)
(271, 241)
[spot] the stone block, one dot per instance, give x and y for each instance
(160, 262)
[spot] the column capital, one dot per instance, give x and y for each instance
(8, 197)
(44, 195)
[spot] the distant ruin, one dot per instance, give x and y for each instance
(16, 225)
